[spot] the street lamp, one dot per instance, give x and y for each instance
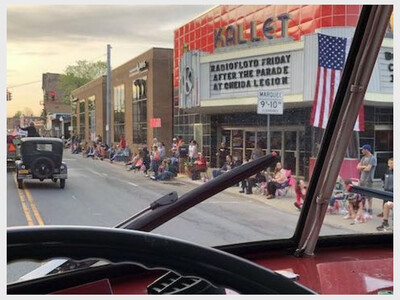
(62, 126)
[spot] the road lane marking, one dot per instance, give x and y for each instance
(34, 207)
(131, 183)
(96, 173)
(25, 208)
(226, 202)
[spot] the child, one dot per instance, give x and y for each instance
(337, 195)
(301, 190)
(356, 204)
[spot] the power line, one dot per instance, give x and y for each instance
(22, 84)
(32, 82)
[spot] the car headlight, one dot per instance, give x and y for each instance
(23, 167)
(62, 167)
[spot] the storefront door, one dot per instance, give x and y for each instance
(242, 142)
(291, 151)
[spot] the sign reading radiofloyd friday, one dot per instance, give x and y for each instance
(250, 74)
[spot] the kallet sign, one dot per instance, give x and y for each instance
(233, 34)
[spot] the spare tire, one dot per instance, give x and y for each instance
(42, 167)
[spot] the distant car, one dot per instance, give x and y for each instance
(12, 151)
(41, 158)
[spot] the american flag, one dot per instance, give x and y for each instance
(332, 52)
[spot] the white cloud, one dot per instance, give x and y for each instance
(48, 38)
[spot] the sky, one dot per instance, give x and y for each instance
(48, 38)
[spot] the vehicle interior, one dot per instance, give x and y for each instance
(130, 259)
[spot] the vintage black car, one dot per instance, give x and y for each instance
(41, 158)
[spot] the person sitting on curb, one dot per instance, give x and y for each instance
(228, 165)
(199, 165)
(387, 180)
(91, 150)
(300, 190)
(356, 204)
(276, 181)
(132, 163)
(169, 172)
(337, 195)
(386, 210)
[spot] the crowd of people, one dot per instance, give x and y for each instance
(160, 164)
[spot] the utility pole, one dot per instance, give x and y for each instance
(108, 101)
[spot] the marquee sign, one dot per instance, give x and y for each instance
(250, 74)
(234, 35)
(189, 87)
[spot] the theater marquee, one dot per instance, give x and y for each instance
(269, 72)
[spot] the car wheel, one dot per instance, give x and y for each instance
(42, 167)
(54, 179)
(62, 183)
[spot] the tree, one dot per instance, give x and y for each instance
(27, 111)
(77, 75)
(17, 114)
(43, 114)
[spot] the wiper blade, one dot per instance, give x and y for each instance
(384, 195)
(156, 217)
(164, 200)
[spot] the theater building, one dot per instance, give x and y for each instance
(141, 102)
(226, 56)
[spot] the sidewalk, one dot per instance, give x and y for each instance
(286, 204)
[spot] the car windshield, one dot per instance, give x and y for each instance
(233, 85)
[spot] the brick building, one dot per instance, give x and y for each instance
(141, 96)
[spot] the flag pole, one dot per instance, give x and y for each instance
(268, 136)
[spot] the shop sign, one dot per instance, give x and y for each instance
(389, 59)
(386, 70)
(155, 122)
(250, 74)
(140, 66)
(270, 103)
(233, 34)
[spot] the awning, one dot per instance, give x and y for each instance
(57, 116)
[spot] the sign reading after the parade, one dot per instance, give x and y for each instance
(250, 74)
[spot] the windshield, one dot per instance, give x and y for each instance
(234, 84)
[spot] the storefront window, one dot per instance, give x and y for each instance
(74, 116)
(276, 140)
(92, 118)
(290, 140)
(82, 118)
(139, 110)
(250, 140)
(384, 140)
(237, 144)
(119, 112)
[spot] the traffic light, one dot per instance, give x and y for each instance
(9, 95)
(53, 95)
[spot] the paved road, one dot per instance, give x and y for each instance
(102, 194)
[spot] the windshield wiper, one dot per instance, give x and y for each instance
(384, 195)
(168, 207)
(164, 200)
